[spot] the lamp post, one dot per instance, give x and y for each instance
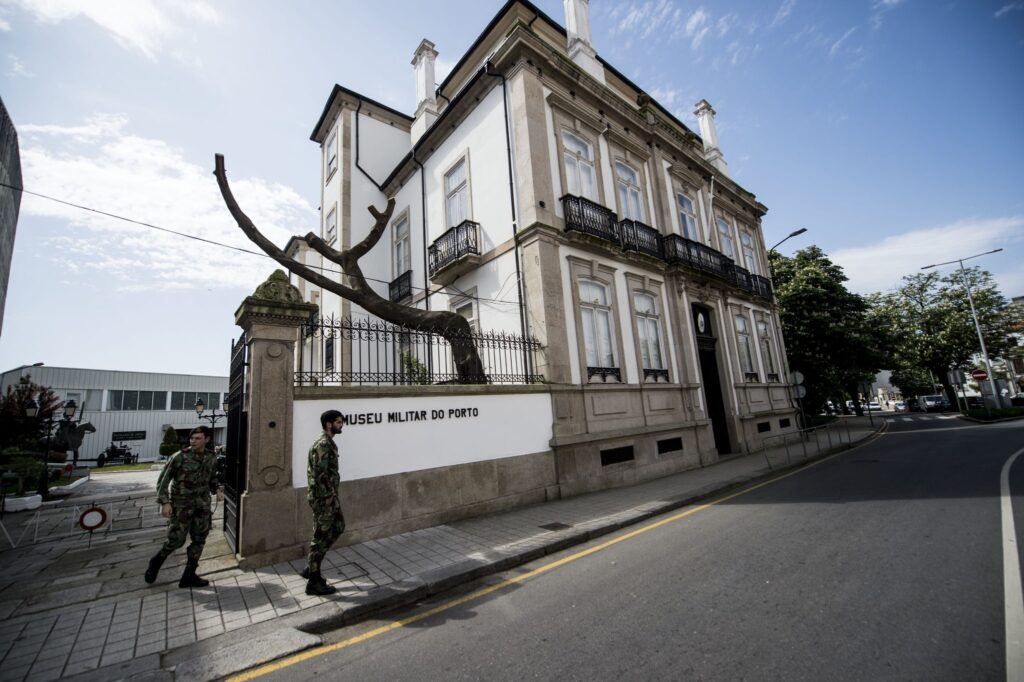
(794, 233)
(213, 417)
(32, 411)
(974, 314)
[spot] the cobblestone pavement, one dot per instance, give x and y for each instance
(68, 607)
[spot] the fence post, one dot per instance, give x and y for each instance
(271, 318)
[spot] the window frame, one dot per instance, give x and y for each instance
(622, 184)
(586, 128)
(750, 260)
(331, 236)
(764, 340)
(331, 155)
(467, 300)
(682, 223)
(465, 186)
(725, 237)
(566, 152)
(641, 286)
(397, 268)
(749, 369)
(605, 276)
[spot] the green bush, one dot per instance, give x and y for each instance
(170, 444)
(996, 413)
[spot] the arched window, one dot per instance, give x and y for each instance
(628, 183)
(598, 326)
(579, 166)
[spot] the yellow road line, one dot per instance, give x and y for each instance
(328, 648)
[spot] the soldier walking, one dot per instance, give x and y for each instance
(328, 521)
(183, 492)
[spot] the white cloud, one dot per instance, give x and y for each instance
(880, 266)
(4, 26)
(442, 67)
(17, 68)
(647, 18)
(99, 165)
(879, 9)
(836, 45)
(1010, 7)
(143, 25)
(697, 27)
(785, 9)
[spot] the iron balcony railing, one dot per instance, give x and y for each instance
(682, 251)
(401, 287)
(636, 236)
(761, 286)
(588, 217)
(605, 373)
(458, 242)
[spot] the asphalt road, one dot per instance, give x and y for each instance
(884, 563)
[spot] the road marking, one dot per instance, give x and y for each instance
(1013, 599)
(328, 648)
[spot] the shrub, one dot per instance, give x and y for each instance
(996, 413)
(170, 443)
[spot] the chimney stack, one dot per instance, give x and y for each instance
(706, 119)
(580, 43)
(426, 104)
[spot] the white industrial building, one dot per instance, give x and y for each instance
(130, 408)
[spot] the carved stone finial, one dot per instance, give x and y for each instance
(278, 288)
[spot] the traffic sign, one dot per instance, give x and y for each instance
(92, 518)
(796, 377)
(979, 375)
(799, 391)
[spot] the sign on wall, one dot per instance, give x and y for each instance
(384, 436)
(128, 435)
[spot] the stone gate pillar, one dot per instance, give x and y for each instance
(268, 514)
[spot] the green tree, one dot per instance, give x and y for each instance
(830, 334)
(170, 444)
(936, 328)
(19, 430)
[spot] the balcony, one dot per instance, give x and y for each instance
(588, 217)
(604, 374)
(401, 287)
(681, 251)
(655, 376)
(640, 238)
(455, 252)
(761, 286)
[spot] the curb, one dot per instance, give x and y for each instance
(348, 610)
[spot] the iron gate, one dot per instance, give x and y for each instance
(237, 441)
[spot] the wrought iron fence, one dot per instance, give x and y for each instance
(400, 287)
(379, 353)
(636, 236)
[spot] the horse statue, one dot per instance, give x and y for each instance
(69, 436)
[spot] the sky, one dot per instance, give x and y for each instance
(890, 129)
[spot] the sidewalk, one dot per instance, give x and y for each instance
(73, 611)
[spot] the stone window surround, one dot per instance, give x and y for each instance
(583, 130)
(562, 132)
(642, 284)
(603, 274)
(331, 154)
(328, 237)
(460, 300)
(621, 149)
(761, 316)
(756, 247)
(739, 310)
(395, 221)
(464, 156)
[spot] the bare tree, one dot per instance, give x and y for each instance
(451, 326)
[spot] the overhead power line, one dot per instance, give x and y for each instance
(212, 242)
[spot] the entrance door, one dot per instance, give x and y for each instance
(706, 342)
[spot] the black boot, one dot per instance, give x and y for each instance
(189, 577)
(304, 573)
(154, 567)
(317, 586)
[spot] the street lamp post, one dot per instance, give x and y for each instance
(213, 417)
(794, 233)
(974, 315)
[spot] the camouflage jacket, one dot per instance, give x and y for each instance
(188, 477)
(322, 471)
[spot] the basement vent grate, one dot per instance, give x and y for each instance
(555, 526)
(617, 455)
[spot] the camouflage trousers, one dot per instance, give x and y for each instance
(328, 525)
(187, 521)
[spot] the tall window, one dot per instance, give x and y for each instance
(596, 313)
(331, 226)
(628, 183)
(743, 345)
(725, 238)
(186, 400)
(331, 154)
(329, 354)
(468, 310)
(764, 338)
(456, 192)
(687, 217)
(648, 327)
(579, 166)
(749, 257)
(402, 258)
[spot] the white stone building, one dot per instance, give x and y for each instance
(133, 408)
(540, 192)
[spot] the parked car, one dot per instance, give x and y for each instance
(873, 405)
(975, 402)
(900, 406)
(933, 403)
(914, 405)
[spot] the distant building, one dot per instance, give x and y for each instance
(10, 200)
(134, 408)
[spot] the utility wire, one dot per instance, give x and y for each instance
(215, 243)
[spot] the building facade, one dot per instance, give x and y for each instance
(541, 193)
(129, 408)
(10, 200)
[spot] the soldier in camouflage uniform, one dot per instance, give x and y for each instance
(183, 491)
(328, 521)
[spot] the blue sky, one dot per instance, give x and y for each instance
(890, 129)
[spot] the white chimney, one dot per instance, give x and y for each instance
(580, 43)
(706, 118)
(426, 103)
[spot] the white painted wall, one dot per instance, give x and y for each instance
(501, 426)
